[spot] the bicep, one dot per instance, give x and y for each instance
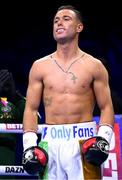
(102, 89)
(103, 97)
(34, 90)
(102, 93)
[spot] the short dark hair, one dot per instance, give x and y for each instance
(78, 13)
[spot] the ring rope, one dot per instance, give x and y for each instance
(14, 128)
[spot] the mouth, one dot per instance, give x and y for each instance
(60, 30)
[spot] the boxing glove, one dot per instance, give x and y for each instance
(34, 160)
(96, 149)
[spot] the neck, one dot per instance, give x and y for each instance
(67, 51)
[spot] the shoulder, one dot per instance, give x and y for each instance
(97, 63)
(38, 67)
(42, 60)
(41, 63)
(96, 66)
(92, 59)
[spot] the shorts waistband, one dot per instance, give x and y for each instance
(67, 132)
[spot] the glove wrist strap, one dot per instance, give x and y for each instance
(105, 132)
(29, 140)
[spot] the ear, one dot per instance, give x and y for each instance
(79, 27)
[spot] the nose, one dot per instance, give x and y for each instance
(59, 22)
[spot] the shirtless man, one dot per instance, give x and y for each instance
(70, 82)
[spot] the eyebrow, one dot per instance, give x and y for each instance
(65, 16)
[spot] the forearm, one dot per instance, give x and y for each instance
(30, 121)
(107, 116)
(29, 129)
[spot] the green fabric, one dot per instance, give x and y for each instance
(9, 114)
(44, 145)
(20, 106)
(7, 156)
(12, 113)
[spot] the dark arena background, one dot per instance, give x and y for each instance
(26, 35)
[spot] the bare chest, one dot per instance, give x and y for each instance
(74, 80)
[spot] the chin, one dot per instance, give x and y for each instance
(60, 40)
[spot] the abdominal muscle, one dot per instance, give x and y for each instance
(69, 108)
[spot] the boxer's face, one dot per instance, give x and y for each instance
(66, 25)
